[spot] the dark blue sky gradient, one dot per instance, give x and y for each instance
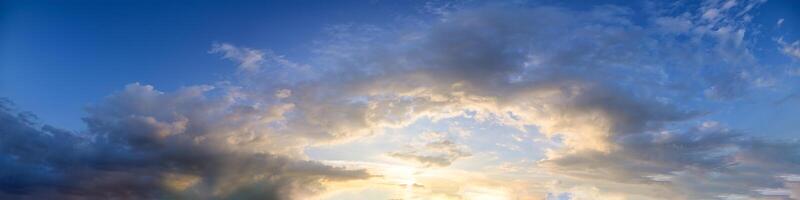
(57, 56)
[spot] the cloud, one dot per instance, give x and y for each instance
(257, 63)
(789, 49)
(525, 73)
(704, 162)
(143, 143)
(248, 59)
(610, 89)
(440, 153)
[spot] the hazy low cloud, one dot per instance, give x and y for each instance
(705, 162)
(440, 153)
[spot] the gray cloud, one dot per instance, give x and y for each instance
(705, 162)
(440, 153)
(609, 87)
(145, 144)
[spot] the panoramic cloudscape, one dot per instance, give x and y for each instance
(400, 100)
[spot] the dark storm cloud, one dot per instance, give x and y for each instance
(128, 154)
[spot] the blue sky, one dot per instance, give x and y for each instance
(400, 99)
(58, 56)
(80, 52)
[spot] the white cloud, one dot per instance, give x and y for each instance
(790, 49)
(283, 93)
(248, 59)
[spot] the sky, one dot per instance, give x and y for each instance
(551, 100)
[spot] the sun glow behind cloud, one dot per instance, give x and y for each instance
(408, 182)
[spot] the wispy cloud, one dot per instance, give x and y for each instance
(247, 59)
(440, 153)
(790, 49)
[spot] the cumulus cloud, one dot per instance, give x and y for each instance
(144, 144)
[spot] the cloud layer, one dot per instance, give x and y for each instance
(144, 144)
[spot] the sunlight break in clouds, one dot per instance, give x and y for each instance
(470, 101)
